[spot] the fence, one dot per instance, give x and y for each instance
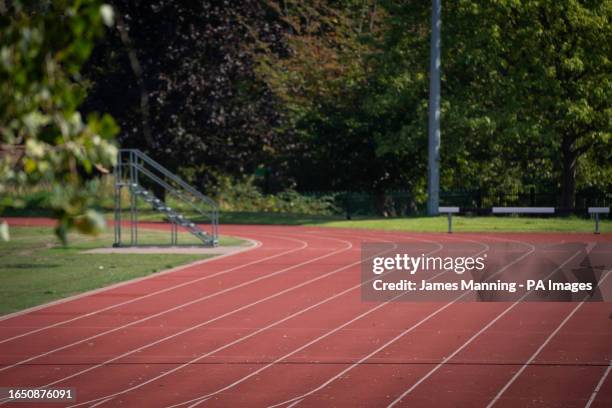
(403, 203)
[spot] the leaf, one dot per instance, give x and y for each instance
(4, 232)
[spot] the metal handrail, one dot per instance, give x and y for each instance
(172, 190)
(170, 175)
(136, 162)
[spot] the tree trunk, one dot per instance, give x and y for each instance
(568, 176)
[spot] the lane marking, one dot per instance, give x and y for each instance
(321, 337)
(393, 340)
(535, 354)
(101, 402)
(177, 307)
(599, 385)
(189, 329)
(464, 345)
(256, 245)
(197, 403)
(295, 403)
(124, 283)
(239, 339)
(202, 401)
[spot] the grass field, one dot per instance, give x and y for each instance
(35, 268)
(427, 224)
(416, 224)
(476, 224)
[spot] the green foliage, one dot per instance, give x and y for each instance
(333, 95)
(45, 139)
(233, 195)
(529, 86)
(326, 82)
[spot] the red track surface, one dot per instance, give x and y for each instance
(284, 324)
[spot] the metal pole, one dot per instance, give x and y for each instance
(136, 181)
(597, 223)
(118, 201)
(433, 170)
(173, 233)
(132, 202)
(450, 222)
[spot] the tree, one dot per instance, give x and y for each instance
(333, 95)
(45, 139)
(535, 77)
(326, 84)
(525, 91)
(206, 112)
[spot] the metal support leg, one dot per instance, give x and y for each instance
(596, 223)
(132, 220)
(173, 234)
(132, 202)
(450, 223)
(136, 181)
(133, 165)
(117, 242)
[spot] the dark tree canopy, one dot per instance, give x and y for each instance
(323, 95)
(186, 70)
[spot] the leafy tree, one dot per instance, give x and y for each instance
(531, 80)
(333, 95)
(43, 46)
(525, 91)
(326, 83)
(180, 79)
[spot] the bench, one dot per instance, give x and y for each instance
(523, 210)
(449, 211)
(595, 211)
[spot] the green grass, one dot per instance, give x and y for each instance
(36, 269)
(425, 224)
(475, 224)
(417, 224)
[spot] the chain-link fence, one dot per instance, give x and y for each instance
(403, 203)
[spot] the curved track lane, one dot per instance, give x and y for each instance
(282, 324)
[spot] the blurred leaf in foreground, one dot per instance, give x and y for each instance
(44, 140)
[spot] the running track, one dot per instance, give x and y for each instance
(282, 324)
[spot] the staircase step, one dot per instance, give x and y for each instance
(170, 214)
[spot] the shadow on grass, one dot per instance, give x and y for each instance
(28, 266)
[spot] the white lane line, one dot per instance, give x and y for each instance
(197, 403)
(100, 403)
(535, 354)
(2, 402)
(295, 403)
(180, 306)
(241, 339)
(191, 328)
(256, 244)
(471, 339)
(393, 340)
(599, 385)
(148, 295)
(313, 341)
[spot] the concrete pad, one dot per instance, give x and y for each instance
(168, 250)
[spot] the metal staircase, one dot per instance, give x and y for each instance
(135, 168)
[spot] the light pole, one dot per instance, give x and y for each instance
(433, 168)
